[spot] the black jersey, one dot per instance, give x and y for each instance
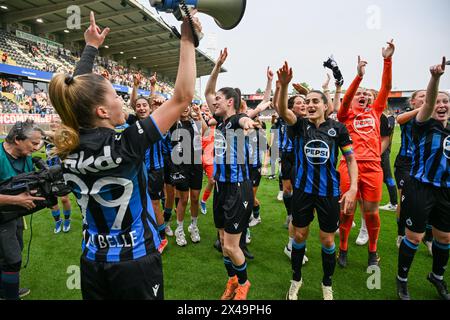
(431, 153)
(106, 174)
(387, 126)
(316, 155)
(230, 151)
(186, 142)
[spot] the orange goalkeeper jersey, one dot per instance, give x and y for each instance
(364, 127)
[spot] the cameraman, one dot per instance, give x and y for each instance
(15, 158)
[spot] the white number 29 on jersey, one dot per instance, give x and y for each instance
(121, 202)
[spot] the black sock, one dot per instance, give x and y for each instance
(162, 231)
(428, 234)
(163, 201)
(392, 189)
(288, 203)
(256, 212)
(440, 258)
(242, 242)
(229, 266)
(298, 252)
(241, 272)
(328, 264)
(10, 282)
(280, 183)
(167, 214)
(405, 258)
(400, 227)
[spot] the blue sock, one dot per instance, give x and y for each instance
(56, 215)
(10, 282)
(67, 214)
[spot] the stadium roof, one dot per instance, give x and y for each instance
(141, 35)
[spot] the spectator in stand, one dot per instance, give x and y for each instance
(4, 57)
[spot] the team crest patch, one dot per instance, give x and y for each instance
(332, 133)
(447, 147)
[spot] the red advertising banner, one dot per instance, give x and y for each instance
(12, 118)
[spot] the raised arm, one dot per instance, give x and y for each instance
(94, 38)
(268, 91)
(253, 113)
(276, 96)
(285, 77)
(386, 85)
(134, 93)
(350, 94)
(326, 91)
(166, 115)
(407, 116)
(337, 98)
(210, 91)
(265, 103)
(432, 92)
(153, 81)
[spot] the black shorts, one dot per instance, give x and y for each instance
(233, 205)
(255, 176)
(11, 244)
(167, 170)
(402, 171)
(287, 165)
(327, 208)
(424, 204)
(140, 279)
(187, 177)
(156, 184)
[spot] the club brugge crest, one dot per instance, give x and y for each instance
(220, 144)
(332, 133)
(447, 147)
(317, 152)
(364, 123)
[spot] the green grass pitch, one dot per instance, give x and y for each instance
(197, 271)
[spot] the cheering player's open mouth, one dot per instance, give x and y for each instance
(362, 102)
(311, 111)
(442, 112)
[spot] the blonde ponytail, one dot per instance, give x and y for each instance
(75, 99)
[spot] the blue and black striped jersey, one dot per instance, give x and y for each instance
(230, 151)
(107, 175)
(154, 159)
(316, 155)
(284, 140)
(167, 144)
(407, 140)
(431, 153)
